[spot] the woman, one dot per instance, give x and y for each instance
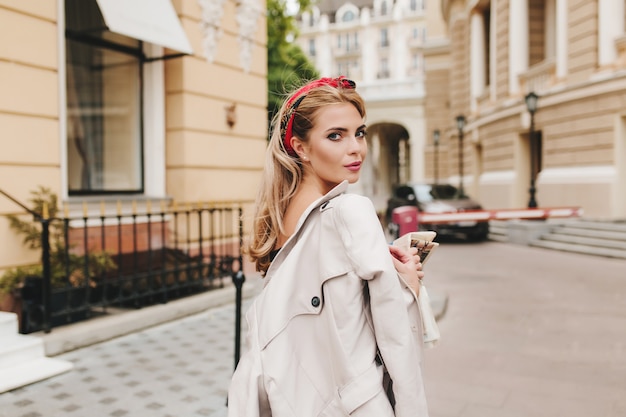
(336, 330)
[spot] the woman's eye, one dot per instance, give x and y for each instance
(361, 134)
(334, 136)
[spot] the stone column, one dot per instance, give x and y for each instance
(477, 58)
(518, 43)
(610, 26)
(493, 48)
(561, 38)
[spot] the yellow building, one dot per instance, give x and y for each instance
(147, 101)
(572, 55)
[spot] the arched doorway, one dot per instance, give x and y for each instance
(388, 162)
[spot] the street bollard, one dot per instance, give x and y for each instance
(238, 279)
(45, 260)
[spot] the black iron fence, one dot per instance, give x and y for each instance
(127, 259)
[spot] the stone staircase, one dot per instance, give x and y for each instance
(498, 231)
(586, 236)
(22, 357)
(591, 237)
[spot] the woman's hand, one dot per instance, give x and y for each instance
(408, 265)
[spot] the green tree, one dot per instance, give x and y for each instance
(288, 66)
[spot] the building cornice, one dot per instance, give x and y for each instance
(437, 48)
(555, 97)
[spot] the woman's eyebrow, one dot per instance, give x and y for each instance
(334, 129)
(344, 129)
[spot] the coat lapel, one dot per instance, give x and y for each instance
(294, 280)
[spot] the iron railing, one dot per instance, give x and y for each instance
(93, 263)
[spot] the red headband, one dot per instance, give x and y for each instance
(286, 125)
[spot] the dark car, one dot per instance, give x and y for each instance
(438, 198)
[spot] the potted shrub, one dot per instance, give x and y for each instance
(67, 270)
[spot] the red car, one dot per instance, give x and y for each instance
(437, 198)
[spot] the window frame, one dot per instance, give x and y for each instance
(151, 118)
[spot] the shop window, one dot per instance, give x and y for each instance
(103, 88)
(104, 83)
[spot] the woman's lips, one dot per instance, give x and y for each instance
(354, 166)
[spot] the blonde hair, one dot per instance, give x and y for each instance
(282, 172)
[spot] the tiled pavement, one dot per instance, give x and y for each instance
(181, 368)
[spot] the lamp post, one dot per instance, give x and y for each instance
(436, 143)
(531, 105)
(460, 124)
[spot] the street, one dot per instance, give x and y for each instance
(527, 332)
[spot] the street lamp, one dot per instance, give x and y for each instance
(436, 142)
(531, 105)
(460, 124)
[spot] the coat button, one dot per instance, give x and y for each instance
(315, 301)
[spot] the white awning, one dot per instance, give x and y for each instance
(153, 21)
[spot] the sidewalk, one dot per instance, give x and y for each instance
(179, 368)
(169, 360)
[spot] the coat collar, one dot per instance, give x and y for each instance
(278, 260)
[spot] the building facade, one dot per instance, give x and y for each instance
(380, 45)
(422, 65)
(107, 102)
(571, 54)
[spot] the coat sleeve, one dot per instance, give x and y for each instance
(368, 251)
(246, 395)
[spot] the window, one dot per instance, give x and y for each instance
(415, 5)
(347, 68)
(384, 68)
(384, 37)
(418, 32)
(348, 16)
(487, 43)
(416, 61)
(383, 8)
(542, 31)
(312, 47)
(104, 104)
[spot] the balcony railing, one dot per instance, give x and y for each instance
(343, 51)
(388, 89)
(539, 78)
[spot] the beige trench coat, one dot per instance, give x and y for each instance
(312, 343)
